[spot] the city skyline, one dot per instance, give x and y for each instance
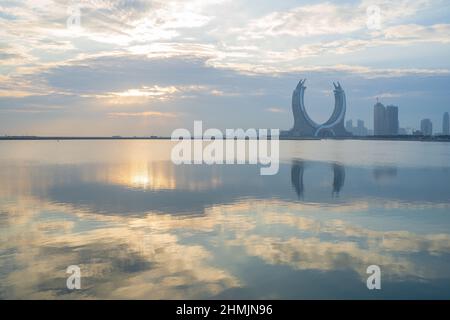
(362, 130)
(148, 67)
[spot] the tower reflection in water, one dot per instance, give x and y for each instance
(297, 172)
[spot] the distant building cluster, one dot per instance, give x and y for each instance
(426, 127)
(359, 130)
(386, 123)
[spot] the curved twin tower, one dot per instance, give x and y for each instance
(304, 126)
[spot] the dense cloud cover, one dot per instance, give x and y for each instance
(147, 67)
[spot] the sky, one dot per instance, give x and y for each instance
(134, 67)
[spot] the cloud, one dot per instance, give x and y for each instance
(136, 96)
(146, 92)
(411, 33)
(142, 114)
(191, 54)
(304, 21)
(275, 110)
(367, 72)
(11, 55)
(402, 35)
(108, 21)
(385, 95)
(325, 19)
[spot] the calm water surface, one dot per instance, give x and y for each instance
(140, 227)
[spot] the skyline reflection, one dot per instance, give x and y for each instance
(298, 169)
(145, 228)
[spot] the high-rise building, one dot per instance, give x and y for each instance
(349, 126)
(426, 126)
(385, 120)
(304, 126)
(391, 120)
(445, 125)
(379, 116)
(361, 130)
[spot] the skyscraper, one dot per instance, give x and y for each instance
(391, 120)
(349, 126)
(385, 119)
(304, 126)
(426, 126)
(445, 125)
(379, 116)
(361, 130)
